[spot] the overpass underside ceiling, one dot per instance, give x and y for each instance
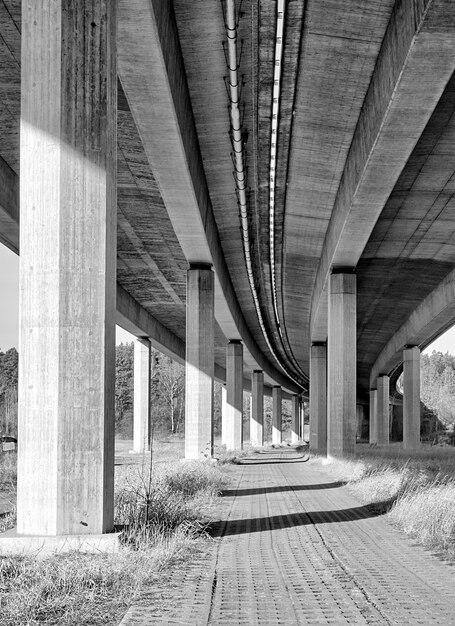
(329, 54)
(412, 247)
(10, 81)
(339, 48)
(150, 265)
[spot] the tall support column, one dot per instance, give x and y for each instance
(246, 437)
(223, 414)
(200, 364)
(373, 416)
(141, 406)
(277, 427)
(411, 398)
(318, 398)
(341, 379)
(295, 415)
(67, 268)
(234, 387)
(257, 408)
(383, 410)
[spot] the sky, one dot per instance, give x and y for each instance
(9, 306)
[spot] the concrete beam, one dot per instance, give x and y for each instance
(429, 320)
(151, 69)
(9, 207)
(416, 61)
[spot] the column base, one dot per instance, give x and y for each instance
(42, 546)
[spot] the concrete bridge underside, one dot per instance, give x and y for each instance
(265, 192)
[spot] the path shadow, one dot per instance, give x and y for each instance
(260, 490)
(271, 461)
(226, 528)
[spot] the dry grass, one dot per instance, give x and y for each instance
(8, 479)
(226, 457)
(163, 511)
(416, 490)
(85, 590)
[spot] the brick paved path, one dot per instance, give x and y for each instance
(294, 547)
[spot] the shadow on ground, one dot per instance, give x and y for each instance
(272, 461)
(259, 490)
(275, 522)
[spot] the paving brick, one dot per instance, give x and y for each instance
(295, 547)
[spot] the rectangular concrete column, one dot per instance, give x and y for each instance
(234, 398)
(383, 410)
(257, 408)
(277, 427)
(295, 415)
(318, 398)
(200, 364)
(246, 422)
(67, 267)
(341, 371)
(373, 416)
(141, 406)
(411, 398)
(223, 414)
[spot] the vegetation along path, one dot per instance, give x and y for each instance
(295, 547)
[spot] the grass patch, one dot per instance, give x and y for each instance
(164, 511)
(416, 490)
(226, 457)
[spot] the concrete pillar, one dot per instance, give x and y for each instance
(223, 414)
(295, 415)
(234, 387)
(277, 427)
(257, 408)
(246, 422)
(200, 364)
(141, 406)
(67, 268)
(360, 416)
(411, 398)
(318, 398)
(373, 416)
(341, 371)
(383, 410)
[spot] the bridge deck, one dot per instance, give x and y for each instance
(294, 547)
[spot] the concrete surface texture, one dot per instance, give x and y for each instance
(141, 399)
(234, 396)
(67, 276)
(337, 230)
(257, 409)
(360, 86)
(294, 547)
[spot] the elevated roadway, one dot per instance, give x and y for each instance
(290, 164)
